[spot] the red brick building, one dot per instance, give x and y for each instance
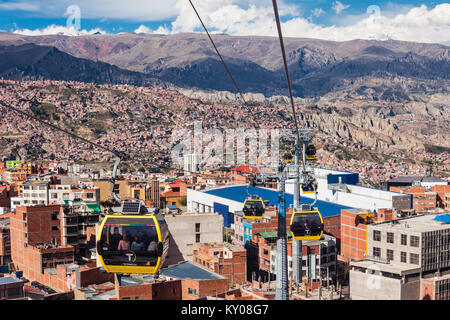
(194, 289)
(354, 231)
(131, 288)
(423, 200)
(442, 192)
(224, 259)
(435, 288)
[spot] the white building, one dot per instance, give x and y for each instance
(191, 163)
(340, 187)
(35, 193)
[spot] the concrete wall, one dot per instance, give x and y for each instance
(182, 230)
(360, 288)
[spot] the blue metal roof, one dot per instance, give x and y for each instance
(443, 218)
(189, 270)
(239, 194)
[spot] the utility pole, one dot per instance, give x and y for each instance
(297, 258)
(282, 288)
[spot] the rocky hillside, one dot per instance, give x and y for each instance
(317, 67)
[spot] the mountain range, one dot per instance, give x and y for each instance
(379, 70)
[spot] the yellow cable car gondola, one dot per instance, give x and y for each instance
(254, 208)
(310, 152)
(307, 225)
(310, 186)
(133, 243)
(288, 157)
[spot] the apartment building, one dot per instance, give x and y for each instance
(76, 217)
(354, 231)
(400, 254)
(188, 230)
(36, 245)
(35, 193)
(58, 193)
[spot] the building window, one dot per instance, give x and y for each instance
(376, 235)
(197, 238)
(376, 252)
(154, 294)
(390, 255)
(197, 227)
(192, 292)
(403, 257)
(390, 237)
(414, 241)
(404, 240)
(414, 258)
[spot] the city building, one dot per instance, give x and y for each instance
(354, 223)
(423, 200)
(319, 259)
(400, 254)
(76, 217)
(410, 181)
(35, 193)
(196, 282)
(340, 188)
(229, 201)
(188, 230)
(11, 288)
(146, 287)
(5, 243)
(224, 259)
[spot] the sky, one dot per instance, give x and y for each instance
(338, 20)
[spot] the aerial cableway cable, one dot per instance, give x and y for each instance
(283, 51)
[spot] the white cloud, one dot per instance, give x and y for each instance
(54, 29)
(317, 12)
(145, 29)
(339, 7)
(419, 24)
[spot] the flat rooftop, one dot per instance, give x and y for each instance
(384, 267)
(191, 271)
(419, 224)
(239, 194)
(8, 280)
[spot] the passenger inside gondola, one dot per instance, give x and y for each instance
(114, 239)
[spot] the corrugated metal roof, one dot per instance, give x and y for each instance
(189, 270)
(266, 235)
(239, 194)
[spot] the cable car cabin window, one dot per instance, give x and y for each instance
(129, 242)
(307, 225)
